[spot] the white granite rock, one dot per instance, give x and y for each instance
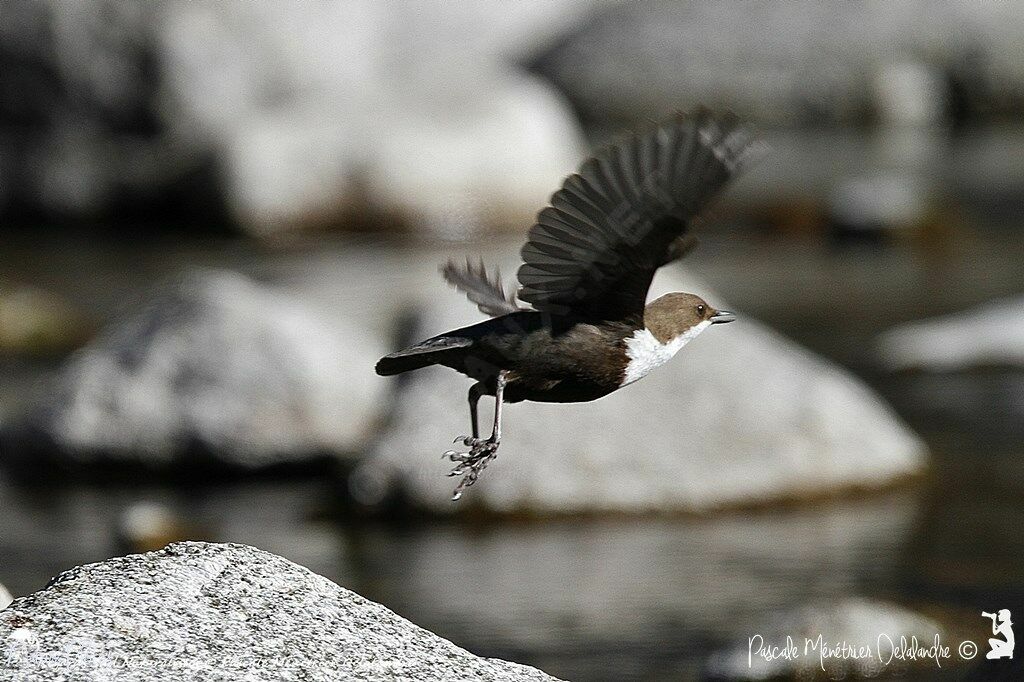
(991, 334)
(742, 415)
(250, 374)
(221, 612)
(5, 597)
(872, 631)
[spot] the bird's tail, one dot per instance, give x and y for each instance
(430, 352)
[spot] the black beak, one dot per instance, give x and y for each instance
(722, 316)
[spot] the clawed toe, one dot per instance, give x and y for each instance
(470, 464)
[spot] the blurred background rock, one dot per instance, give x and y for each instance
(271, 119)
(214, 217)
(284, 119)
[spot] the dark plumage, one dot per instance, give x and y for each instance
(587, 266)
(594, 250)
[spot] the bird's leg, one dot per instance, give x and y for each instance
(481, 452)
(475, 391)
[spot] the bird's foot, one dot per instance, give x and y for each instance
(470, 464)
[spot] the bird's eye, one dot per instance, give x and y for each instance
(701, 309)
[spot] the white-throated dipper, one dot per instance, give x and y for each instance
(587, 265)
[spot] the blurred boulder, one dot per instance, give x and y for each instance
(899, 199)
(80, 110)
(874, 631)
(910, 93)
(289, 117)
(5, 597)
(147, 525)
(742, 416)
(38, 323)
(220, 612)
(877, 207)
(989, 335)
(416, 111)
(219, 366)
(786, 62)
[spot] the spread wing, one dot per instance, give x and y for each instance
(593, 252)
(489, 295)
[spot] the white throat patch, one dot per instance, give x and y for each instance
(646, 353)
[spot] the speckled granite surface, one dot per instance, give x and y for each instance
(221, 612)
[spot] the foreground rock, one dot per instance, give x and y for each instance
(220, 365)
(990, 335)
(872, 629)
(221, 612)
(742, 416)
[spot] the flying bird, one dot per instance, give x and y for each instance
(587, 266)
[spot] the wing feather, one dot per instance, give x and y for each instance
(489, 295)
(594, 250)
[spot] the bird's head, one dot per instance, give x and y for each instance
(673, 315)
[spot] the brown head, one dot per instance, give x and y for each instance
(674, 314)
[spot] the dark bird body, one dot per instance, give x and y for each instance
(548, 359)
(587, 266)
